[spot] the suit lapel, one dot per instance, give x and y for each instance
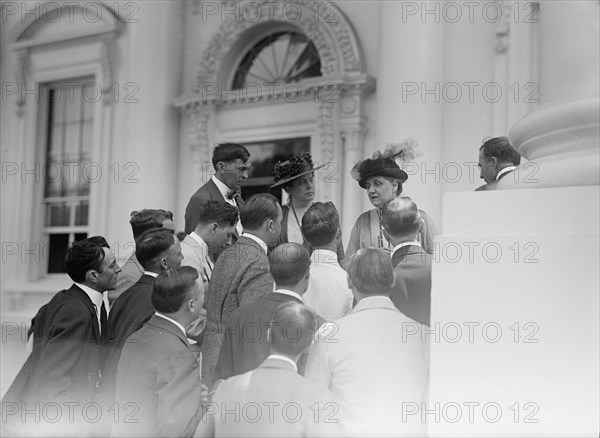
(76, 292)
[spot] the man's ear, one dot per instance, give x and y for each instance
(92, 276)
(164, 264)
(270, 335)
(494, 162)
(338, 235)
(421, 225)
(214, 227)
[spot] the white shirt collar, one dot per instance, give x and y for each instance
(223, 188)
(95, 296)
(257, 239)
(151, 274)
(505, 170)
(410, 243)
(291, 293)
(201, 242)
(375, 298)
(173, 321)
(285, 359)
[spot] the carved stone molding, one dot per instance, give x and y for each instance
(21, 75)
(198, 132)
(502, 30)
(107, 69)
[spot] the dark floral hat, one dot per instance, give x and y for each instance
(386, 163)
(295, 167)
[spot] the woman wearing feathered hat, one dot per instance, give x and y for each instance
(297, 178)
(382, 178)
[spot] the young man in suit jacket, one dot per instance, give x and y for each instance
(411, 294)
(158, 371)
(281, 402)
(241, 275)
(245, 345)
(230, 161)
(497, 158)
(64, 366)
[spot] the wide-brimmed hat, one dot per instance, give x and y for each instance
(386, 163)
(295, 167)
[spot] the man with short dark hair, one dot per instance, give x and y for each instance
(411, 294)
(291, 404)
(157, 250)
(245, 344)
(241, 275)
(65, 363)
(158, 373)
(140, 221)
(373, 359)
(230, 162)
(497, 158)
(328, 292)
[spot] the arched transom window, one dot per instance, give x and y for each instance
(280, 58)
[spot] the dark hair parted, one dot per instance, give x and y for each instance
(500, 148)
(257, 209)
(147, 219)
(288, 263)
(84, 255)
(220, 212)
(151, 244)
(371, 271)
(320, 223)
(400, 217)
(292, 328)
(229, 152)
(173, 288)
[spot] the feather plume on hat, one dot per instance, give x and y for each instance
(398, 152)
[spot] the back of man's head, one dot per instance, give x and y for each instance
(289, 263)
(292, 329)
(257, 209)
(147, 219)
(220, 212)
(84, 255)
(500, 148)
(225, 152)
(371, 271)
(400, 217)
(151, 244)
(172, 288)
(320, 224)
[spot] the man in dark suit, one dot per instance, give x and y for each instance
(158, 371)
(497, 158)
(132, 270)
(411, 294)
(241, 275)
(245, 345)
(157, 250)
(230, 161)
(64, 366)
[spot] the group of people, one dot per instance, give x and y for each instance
(257, 323)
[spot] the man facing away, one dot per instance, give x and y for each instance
(411, 293)
(64, 366)
(158, 371)
(497, 158)
(241, 275)
(372, 360)
(230, 162)
(328, 294)
(245, 345)
(273, 400)
(140, 221)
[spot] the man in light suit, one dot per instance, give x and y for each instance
(497, 158)
(328, 292)
(216, 226)
(245, 345)
(132, 270)
(64, 366)
(411, 294)
(372, 360)
(230, 161)
(274, 400)
(241, 275)
(157, 250)
(157, 370)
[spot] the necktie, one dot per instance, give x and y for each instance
(232, 194)
(103, 318)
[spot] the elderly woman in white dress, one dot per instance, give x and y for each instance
(382, 178)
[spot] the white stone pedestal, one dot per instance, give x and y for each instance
(515, 311)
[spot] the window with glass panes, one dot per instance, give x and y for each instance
(69, 142)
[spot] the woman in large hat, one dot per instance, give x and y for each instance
(382, 178)
(297, 177)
